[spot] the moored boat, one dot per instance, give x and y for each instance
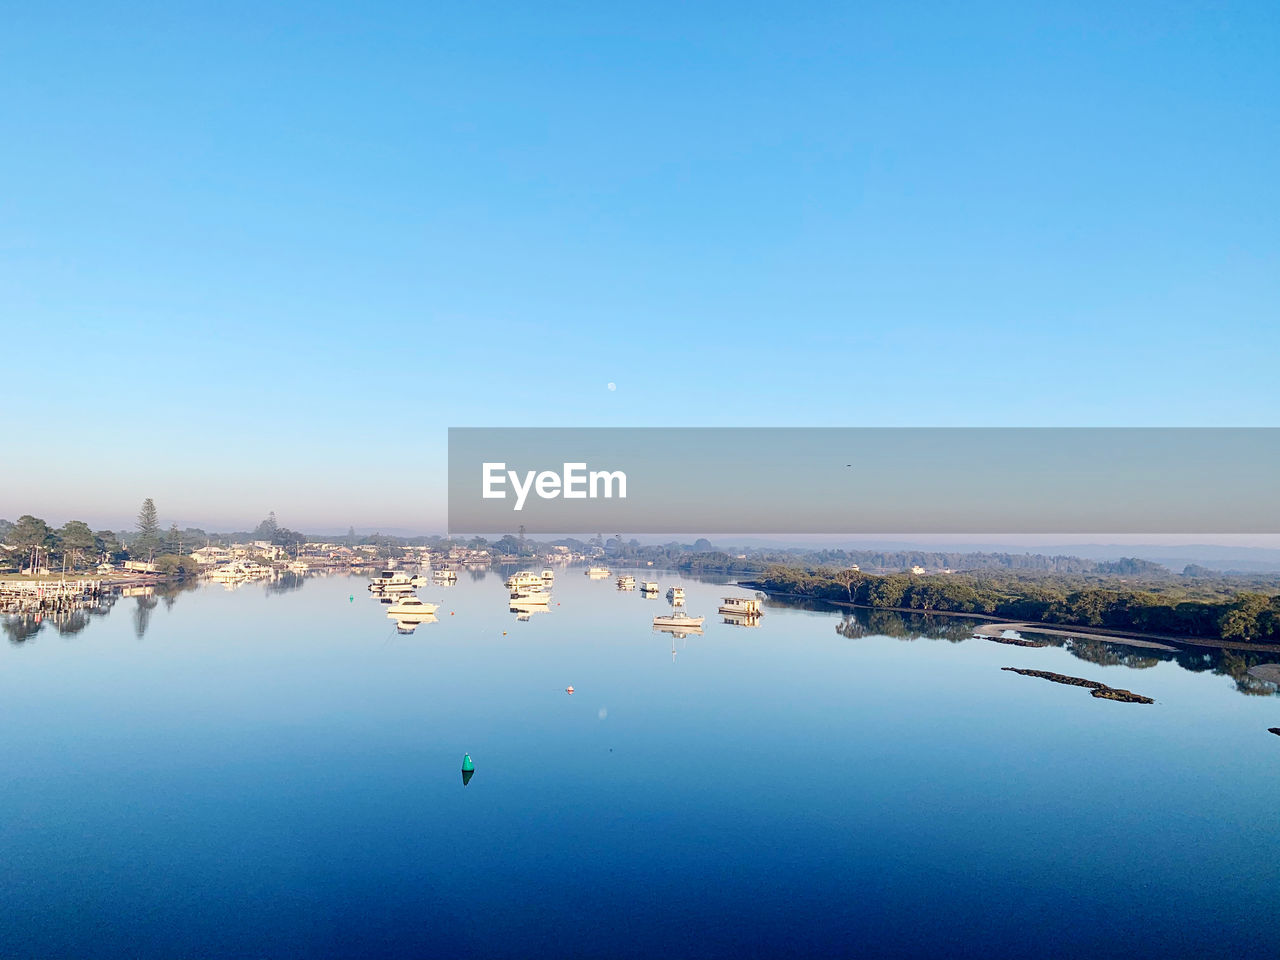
(525, 578)
(389, 580)
(677, 619)
(742, 606)
(410, 606)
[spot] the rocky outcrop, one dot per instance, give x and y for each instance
(1099, 690)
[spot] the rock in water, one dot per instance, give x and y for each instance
(1099, 690)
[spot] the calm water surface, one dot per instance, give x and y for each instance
(276, 773)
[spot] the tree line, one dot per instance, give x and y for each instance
(31, 543)
(1243, 616)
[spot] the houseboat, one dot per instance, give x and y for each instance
(626, 583)
(742, 606)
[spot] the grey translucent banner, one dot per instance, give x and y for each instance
(864, 480)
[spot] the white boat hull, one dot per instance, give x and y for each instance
(403, 610)
(678, 621)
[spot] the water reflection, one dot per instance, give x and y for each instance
(22, 627)
(407, 624)
(142, 614)
(71, 618)
(1235, 664)
(286, 582)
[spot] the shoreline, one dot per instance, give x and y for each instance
(1106, 634)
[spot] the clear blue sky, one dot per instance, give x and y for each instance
(280, 248)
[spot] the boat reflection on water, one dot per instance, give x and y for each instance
(524, 610)
(677, 633)
(407, 623)
(740, 620)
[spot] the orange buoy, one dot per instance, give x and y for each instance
(569, 690)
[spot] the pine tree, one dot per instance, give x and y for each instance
(148, 528)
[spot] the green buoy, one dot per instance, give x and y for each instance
(352, 598)
(467, 765)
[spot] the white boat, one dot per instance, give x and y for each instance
(410, 606)
(238, 570)
(649, 586)
(676, 595)
(598, 572)
(525, 578)
(391, 589)
(742, 606)
(230, 573)
(444, 576)
(548, 575)
(391, 580)
(626, 583)
(678, 619)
